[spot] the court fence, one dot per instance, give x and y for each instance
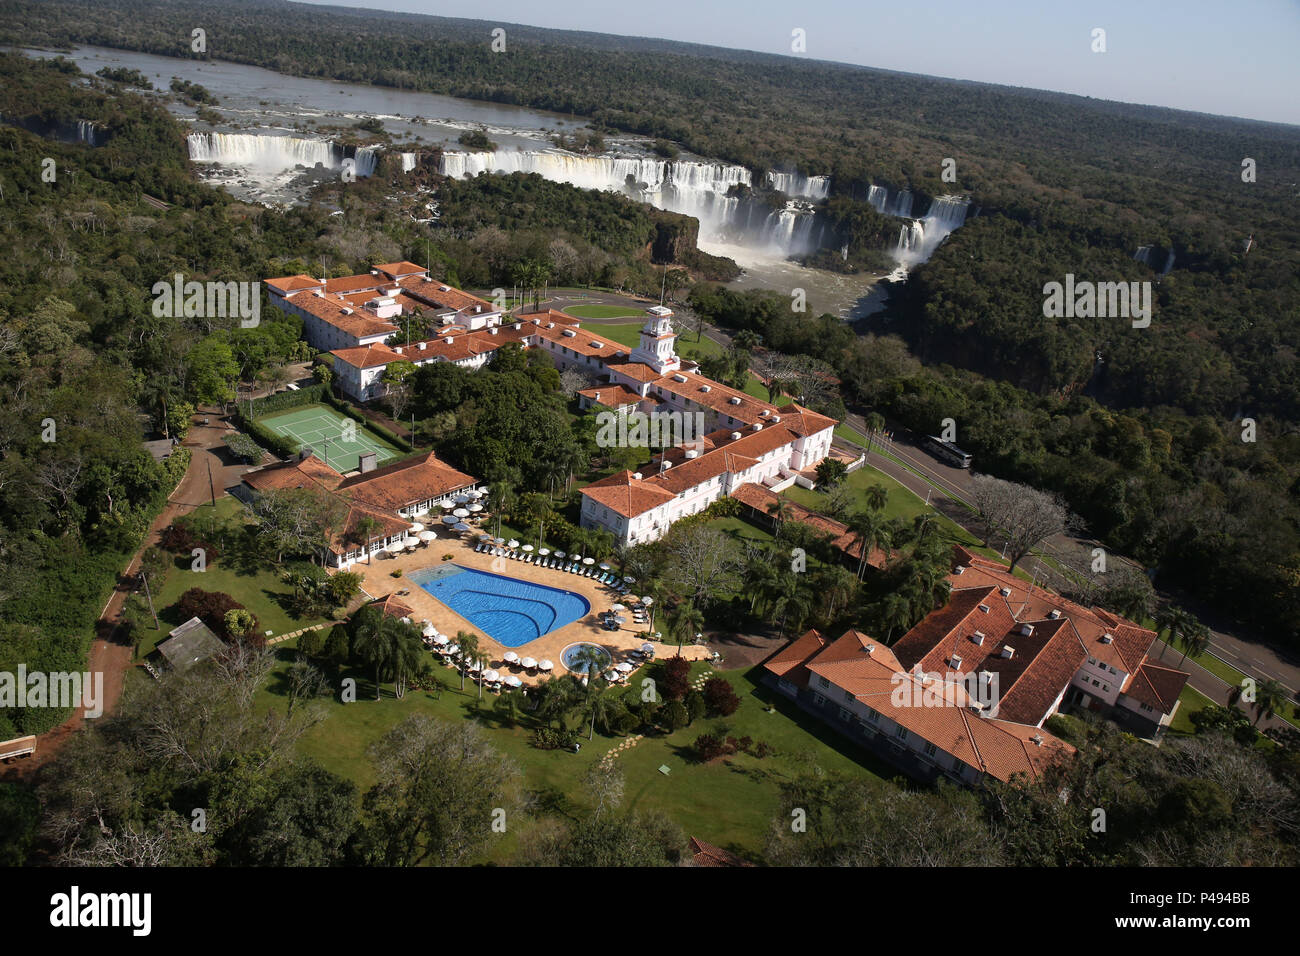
(284, 446)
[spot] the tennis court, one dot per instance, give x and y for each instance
(334, 437)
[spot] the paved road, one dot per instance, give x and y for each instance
(948, 489)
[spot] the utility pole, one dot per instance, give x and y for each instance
(212, 492)
(145, 578)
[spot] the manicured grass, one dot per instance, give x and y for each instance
(603, 311)
(1190, 701)
(730, 802)
(260, 589)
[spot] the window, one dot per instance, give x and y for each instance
(845, 715)
(848, 695)
(873, 716)
(823, 682)
(930, 749)
(901, 732)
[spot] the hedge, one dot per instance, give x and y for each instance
(269, 404)
(349, 410)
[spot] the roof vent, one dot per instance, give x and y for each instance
(568, 333)
(764, 413)
(869, 648)
(347, 311)
(1008, 651)
(444, 288)
(665, 464)
(492, 331)
(319, 294)
(550, 325)
(776, 418)
(636, 476)
(679, 378)
(1107, 638)
(692, 453)
(758, 426)
(959, 569)
(1054, 614)
(448, 340)
(735, 436)
(1037, 740)
(1005, 592)
(478, 308)
(735, 399)
(706, 388)
(518, 326)
(422, 346)
(596, 345)
(1027, 629)
(978, 637)
(398, 350)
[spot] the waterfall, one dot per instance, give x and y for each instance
(86, 133)
(889, 202)
(690, 187)
(408, 162)
(798, 186)
(918, 239)
(1146, 255)
(268, 152)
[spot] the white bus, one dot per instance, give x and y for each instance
(947, 451)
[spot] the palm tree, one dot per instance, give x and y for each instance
(502, 498)
(557, 699)
(468, 642)
(870, 531)
(780, 512)
(408, 656)
(510, 704)
(1270, 696)
(687, 621)
(895, 611)
(377, 643)
(364, 531)
(1196, 639)
(876, 496)
(875, 423)
(837, 586)
(791, 596)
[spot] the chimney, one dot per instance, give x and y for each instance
(636, 476)
(367, 462)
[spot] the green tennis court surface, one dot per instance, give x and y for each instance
(333, 437)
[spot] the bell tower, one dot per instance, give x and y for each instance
(658, 341)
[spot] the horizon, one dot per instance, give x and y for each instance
(1240, 66)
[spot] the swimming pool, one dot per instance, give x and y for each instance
(510, 611)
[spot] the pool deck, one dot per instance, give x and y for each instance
(378, 582)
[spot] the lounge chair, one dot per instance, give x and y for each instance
(478, 547)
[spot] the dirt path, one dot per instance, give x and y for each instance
(107, 654)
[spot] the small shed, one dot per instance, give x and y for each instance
(191, 643)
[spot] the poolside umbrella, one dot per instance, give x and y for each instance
(623, 668)
(461, 512)
(559, 554)
(491, 677)
(429, 630)
(445, 505)
(454, 649)
(441, 640)
(475, 667)
(395, 548)
(620, 620)
(513, 543)
(628, 579)
(545, 665)
(461, 527)
(416, 527)
(528, 547)
(474, 508)
(427, 536)
(588, 561)
(604, 566)
(617, 607)
(410, 543)
(510, 657)
(528, 663)
(449, 519)
(575, 557)
(647, 648)
(543, 551)
(513, 681)
(462, 499)
(473, 495)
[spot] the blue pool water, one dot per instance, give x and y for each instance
(569, 656)
(512, 612)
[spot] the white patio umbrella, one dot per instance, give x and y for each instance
(575, 557)
(454, 649)
(441, 640)
(617, 607)
(604, 566)
(528, 547)
(429, 630)
(647, 648)
(559, 554)
(512, 681)
(510, 657)
(410, 543)
(544, 665)
(427, 536)
(462, 499)
(499, 540)
(543, 551)
(628, 579)
(474, 508)
(473, 495)
(461, 512)
(647, 600)
(513, 543)
(475, 667)
(450, 519)
(394, 548)
(528, 663)
(416, 527)
(491, 677)
(623, 668)
(461, 527)
(588, 561)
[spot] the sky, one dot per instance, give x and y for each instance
(1230, 57)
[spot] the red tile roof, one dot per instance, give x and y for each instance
(706, 854)
(406, 482)
(627, 496)
(1157, 685)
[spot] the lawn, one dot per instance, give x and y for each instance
(604, 311)
(730, 802)
(259, 589)
(1190, 701)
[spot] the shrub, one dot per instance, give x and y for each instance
(695, 706)
(675, 681)
(338, 647)
(211, 607)
(675, 716)
(311, 644)
(719, 697)
(708, 747)
(547, 739)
